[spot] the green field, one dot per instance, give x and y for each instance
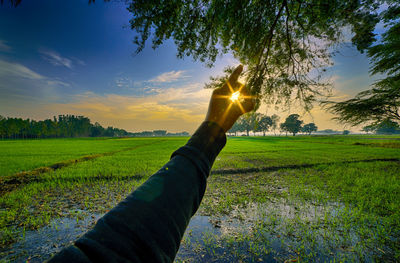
(305, 198)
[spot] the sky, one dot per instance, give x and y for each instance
(69, 57)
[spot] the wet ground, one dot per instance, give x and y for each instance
(277, 231)
(39, 245)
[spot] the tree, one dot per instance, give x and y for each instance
(309, 128)
(235, 128)
(387, 126)
(368, 128)
(292, 124)
(160, 132)
(2, 127)
(63, 126)
(264, 123)
(248, 122)
(346, 132)
(382, 101)
(275, 119)
(281, 41)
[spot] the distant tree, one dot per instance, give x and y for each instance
(309, 128)
(346, 132)
(329, 131)
(96, 130)
(369, 128)
(61, 126)
(2, 127)
(282, 128)
(275, 119)
(160, 133)
(249, 122)
(264, 123)
(292, 124)
(387, 126)
(235, 128)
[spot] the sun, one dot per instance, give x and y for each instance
(235, 96)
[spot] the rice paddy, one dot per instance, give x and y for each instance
(268, 199)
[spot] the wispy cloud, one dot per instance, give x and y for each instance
(169, 76)
(21, 86)
(56, 59)
(4, 47)
(8, 69)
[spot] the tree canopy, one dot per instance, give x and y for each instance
(309, 128)
(292, 124)
(284, 43)
(382, 101)
(59, 127)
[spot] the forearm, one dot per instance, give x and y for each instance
(149, 224)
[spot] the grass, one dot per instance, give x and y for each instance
(322, 198)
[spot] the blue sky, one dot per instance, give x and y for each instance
(68, 57)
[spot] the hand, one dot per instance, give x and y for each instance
(225, 109)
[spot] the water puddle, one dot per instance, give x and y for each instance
(282, 231)
(39, 245)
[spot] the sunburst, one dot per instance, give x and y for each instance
(236, 98)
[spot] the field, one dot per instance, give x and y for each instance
(283, 199)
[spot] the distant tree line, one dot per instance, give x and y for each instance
(258, 122)
(157, 133)
(387, 126)
(63, 126)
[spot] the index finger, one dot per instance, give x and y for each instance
(235, 75)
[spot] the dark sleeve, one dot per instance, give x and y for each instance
(149, 224)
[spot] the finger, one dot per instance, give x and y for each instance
(235, 75)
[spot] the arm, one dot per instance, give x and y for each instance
(149, 224)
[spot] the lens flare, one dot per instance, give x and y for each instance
(235, 96)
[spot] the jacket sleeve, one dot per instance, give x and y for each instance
(149, 224)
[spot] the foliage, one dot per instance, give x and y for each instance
(309, 128)
(284, 43)
(292, 124)
(157, 133)
(383, 100)
(387, 126)
(264, 123)
(346, 132)
(249, 122)
(275, 119)
(368, 128)
(254, 121)
(62, 127)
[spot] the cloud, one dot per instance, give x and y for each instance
(169, 76)
(56, 59)
(17, 70)
(174, 109)
(4, 47)
(57, 83)
(22, 87)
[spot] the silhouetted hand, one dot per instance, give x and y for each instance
(225, 109)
